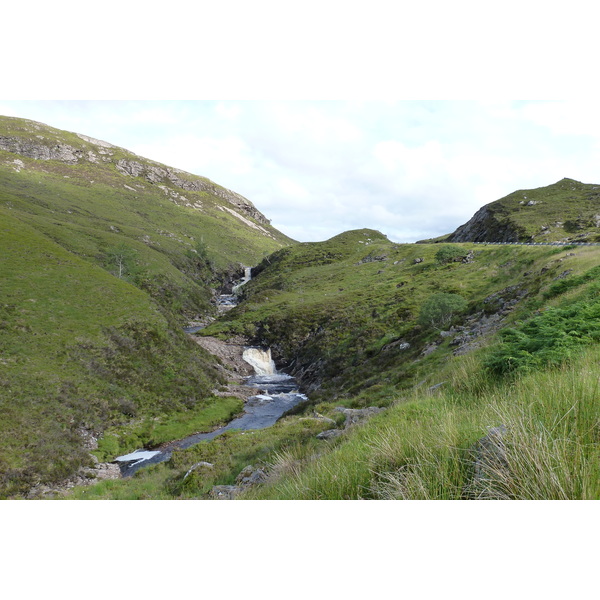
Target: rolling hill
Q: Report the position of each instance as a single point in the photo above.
(566, 211)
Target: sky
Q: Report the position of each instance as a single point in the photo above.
(408, 168)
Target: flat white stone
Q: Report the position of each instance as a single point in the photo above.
(138, 456)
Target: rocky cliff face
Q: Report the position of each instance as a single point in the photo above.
(39, 151)
(155, 173)
(487, 225)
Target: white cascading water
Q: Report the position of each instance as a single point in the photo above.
(260, 360)
(245, 280)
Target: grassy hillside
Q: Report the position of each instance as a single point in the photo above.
(99, 270)
(425, 445)
(343, 315)
(567, 211)
(94, 199)
(353, 319)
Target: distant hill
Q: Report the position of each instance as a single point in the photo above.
(566, 211)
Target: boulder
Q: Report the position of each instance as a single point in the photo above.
(329, 434)
(355, 415)
(250, 476)
(490, 464)
(225, 492)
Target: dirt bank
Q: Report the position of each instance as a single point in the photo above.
(233, 366)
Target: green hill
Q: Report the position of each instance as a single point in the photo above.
(105, 255)
(566, 211)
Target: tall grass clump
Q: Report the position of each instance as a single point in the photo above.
(532, 437)
(547, 448)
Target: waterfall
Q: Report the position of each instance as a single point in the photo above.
(260, 360)
(247, 277)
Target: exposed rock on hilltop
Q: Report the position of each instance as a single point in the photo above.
(490, 223)
(155, 173)
(566, 211)
(40, 142)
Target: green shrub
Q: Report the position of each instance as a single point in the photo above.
(448, 254)
(547, 339)
(439, 310)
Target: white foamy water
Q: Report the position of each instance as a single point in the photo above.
(245, 280)
(260, 360)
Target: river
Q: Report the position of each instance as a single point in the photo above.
(276, 394)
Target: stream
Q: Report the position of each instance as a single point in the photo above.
(276, 394)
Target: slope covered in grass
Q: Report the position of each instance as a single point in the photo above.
(104, 255)
(344, 315)
(438, 405)
(79, 349)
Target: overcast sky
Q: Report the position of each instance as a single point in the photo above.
(410, 169)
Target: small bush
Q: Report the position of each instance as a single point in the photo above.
(440, 309)
(448, 254)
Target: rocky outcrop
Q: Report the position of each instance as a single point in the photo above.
(159, 174)
(479, 326)
(38, 151)
(248, 477)
(487, 225)
(353, 417)
(232, 364)
(356, 415)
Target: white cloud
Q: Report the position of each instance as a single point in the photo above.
(292, 189)
(577, 117)
(215, 158)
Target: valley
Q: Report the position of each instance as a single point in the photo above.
(461, 367)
